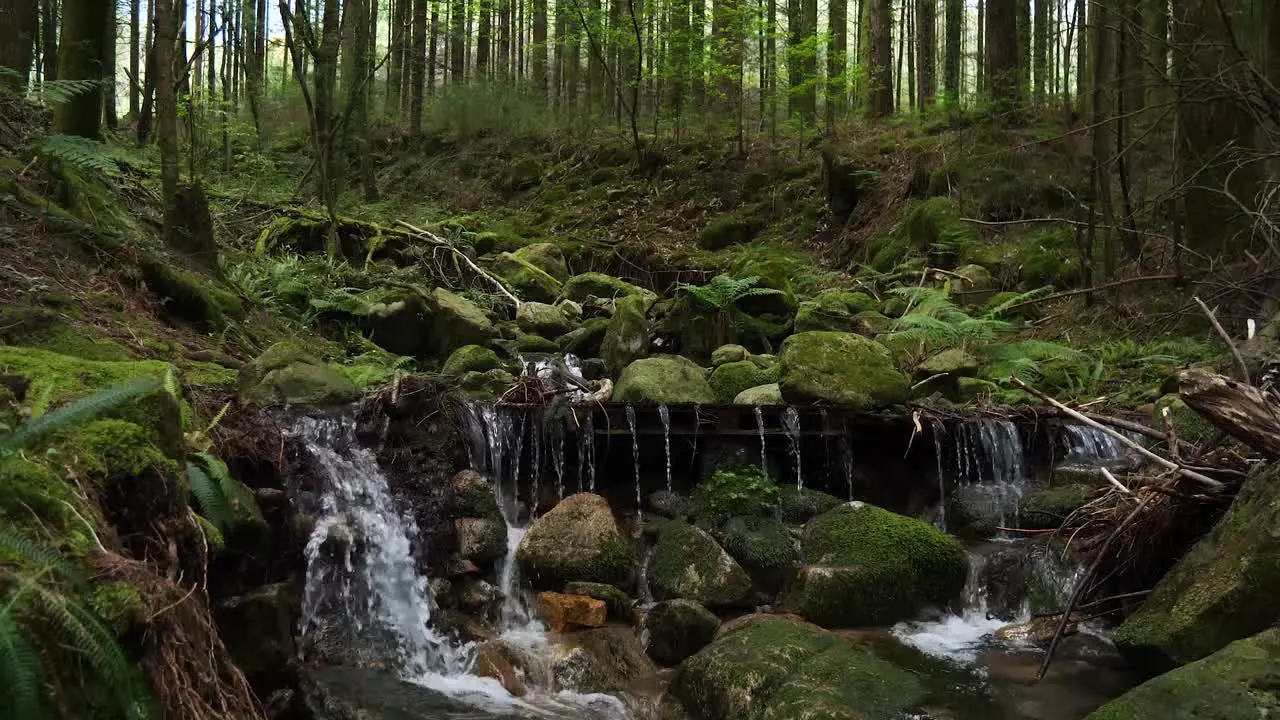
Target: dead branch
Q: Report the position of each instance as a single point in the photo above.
(1095, 288)
(1217, 326)
(1238, 409)
(1188, 473)
(441, 242)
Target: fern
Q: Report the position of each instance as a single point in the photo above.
(1000, 309)
(723, 293)
(57, 92)
(934, 321)
(21, 548)
(20, 671)
(78, 411)
(80, 153)
(209, 496)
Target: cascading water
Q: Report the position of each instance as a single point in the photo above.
(589, 439)
(665, 415)
(956, 637)
(557, 457)
(942, 478)
(1084, 443)
(635, 459)
(791, 423)
(764, 463)
(992, 468)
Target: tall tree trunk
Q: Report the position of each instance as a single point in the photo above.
(901, 55)
(19, 22)
(1156, 50)
(1040, 58)
(1102, 64)
(771, 59)
(211, 69)
(697, 53)
(727, 39)
(417, 61)
(1082, 52)
(484, 33)
(167, 115)
(1024, 47)
(252, 65)
(539, 47)
(458, 40)
(504, 40)
(558, 55)
(82, 55)
(49, 38)
(109, 111)
(954, 55)
(135, 57)
(926, 49)
(396, 62)
(1003, 69)
(980, 54)
(837, 60)
(802, 53)
(879, 72)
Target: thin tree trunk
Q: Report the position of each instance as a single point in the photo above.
(837, 58)
(167, 115)
(417, 60)
(980, 54)
(901, 56)
(539, 47)
(484, 32)
(82, 56)
(135, 57)
(1024, 47)
(926, 46)
(1156, 46)
(954, 57)
(879, 74)
(433, 47)
(1040, 58)
(49, 38)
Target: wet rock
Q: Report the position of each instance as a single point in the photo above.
(492, 662)
(527, 280)
(579, 287)
(771, 667)
(486, 385)
(1039, 631)
(603, 660)
(730, 379)
(727, 354)
(346, 692)
(596, 308)
(547, 258)
(687, 563)
(585, 341)
(677, 629)
(841, 368)
(538, 318)
(764, 548)
(617, 602)
(571, 612)
(475, 595)
(285, 374)
(577, 540)
(470, 358)
(1236, 682)
(627, 336)
(1046, 509)
(1223, 590)
(473, 495)
(972, 513)
(456, 321)
(667, 504)
(258, 628)
(770, 394)
(870, 566)
(798, 506)
(481, 540)
(663, 379)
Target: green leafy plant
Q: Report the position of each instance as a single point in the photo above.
(41, 616)
(80, 153)
(220, 497)
(728, 492)
(78, 411)
(723, 293)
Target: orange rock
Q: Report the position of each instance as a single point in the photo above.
(566, 612)
(492, 662)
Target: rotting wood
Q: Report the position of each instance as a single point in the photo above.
(1238, 409)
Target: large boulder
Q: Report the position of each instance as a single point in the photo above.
(1236, 682)
(579, 287)
(481, 540)
(456, 321)
(585, 341)
(547, 258)
(471, 358)
(627, 336)
(688, 563)
(840, 368)
(538, 318)
(813, 316)
(730, 379)
(663, 379)
(770, 394)
(1223, 590)
(763, 547)
(577, 540)
(677, 629)
(728, 354)
(527, 280)
(258, 628)
(800, 505)
(869, 566)
(771, 667)
(285, 374)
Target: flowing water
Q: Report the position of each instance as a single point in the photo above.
(665, 415)
(635, 459)
(791, 423)
(764, 463)
(992, 468)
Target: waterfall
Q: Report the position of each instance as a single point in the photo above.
(791, 422)
(635, 458)
(665, 415)
(958, 638)
(557, 457)
(589, 437)
(764, 463)
(992, 468)
(1085, 444)
(361, 577)
(942, 478)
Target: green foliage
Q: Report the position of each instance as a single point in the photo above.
(723, 293)
(221, 498)
(738, 491)
(78, 411)
(56, 92)
(936, 322)
(82, 154)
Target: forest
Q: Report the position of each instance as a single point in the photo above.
(639, 359)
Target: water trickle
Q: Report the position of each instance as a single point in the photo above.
(942, 478)
(961, 637)
(1085, 444)
(589, 437)
(635, 458)
(361, 575)
(557, 456)
(993, 469)
(764, 463)
(791, 423)
(665, 414)
(536, 439)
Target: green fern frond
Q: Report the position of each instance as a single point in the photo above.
(209, 497)
(78, 411)
(999, 310)
(56, 92)
(80, 153)
(723, 292)
(21, 674)
(23, 549)
(239, 501)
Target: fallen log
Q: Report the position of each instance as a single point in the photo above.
(1238, 409)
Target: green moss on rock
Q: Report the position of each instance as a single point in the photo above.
(677, 629)
(578, 540)
(119, 604)
(187, 296)
(486, 385)
(482, 540)
(770, 394)
(456, 321)
(1047, 508)
(841, 368)
(728, 354)
(527, 280)
(1190, 425)
(688, 563)
(618, 602)
(813, 316)
(627, 336)
(470, 358)
(663, 379)
(546, 257)
(1223, 589)
(763, 547)
(585, 341)
(542, 319)
(579, 287)
(730, 379)
(285, 374)
(800, 505)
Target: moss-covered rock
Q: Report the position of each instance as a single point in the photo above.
(585, 341)
(578, 540)
(527, 280)
(481, 540)
(800, 505)
(546, 257)
(667, 504)
(1236, 682)
(851, 301)
(763, 547)
(769, 667)
(729, 379)
(1190, 425)
(471, 358)
(285, 374)
(737, 486)
(688, 563)
(489, 384)
(728, 354)
(873, 567)
(936, 231)
(1047, 508)
(728, 229)
(841, 368)
(398, 320)
(187, 296)
(579, 287)
(813, 316)
(1220, 591)
(677, 629)
(770, 394)
(618, 602)
(663, 379)
(627, 336)
(870, 323)
(473, 496)
(538, 318)
(954, 362)
(456, 321)
(526, 343)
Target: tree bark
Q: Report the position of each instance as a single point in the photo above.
(1241, 410)
(1024, 47)
(49, 38)
(837, 60)
(880, 71)
(417, 61)
(458, 41)
(727, 39)
(1003, 69)
(1040, 58)
(82, 55)
(926, 48)
(954, 54)
(980, 54)
(19, 21)
(1156, 46)
(167, 115)
(539, 47)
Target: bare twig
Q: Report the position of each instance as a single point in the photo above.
(1112, 479)
(437, 240)
(1096, 288)
(1163, 462)
(1222, 333)
(1167, 415)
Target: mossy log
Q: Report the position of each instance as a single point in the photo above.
(1236, 408)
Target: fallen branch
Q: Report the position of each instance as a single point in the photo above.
(1222, 333)
(441, 242)
(1112, 479)
(1237, 409)
(1096, 288)
(1163, 462)
(1135, 427)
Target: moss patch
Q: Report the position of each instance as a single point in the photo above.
(840, 368)
(663, 379)
(729, 379)
(1044, 509)
(687, 563)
